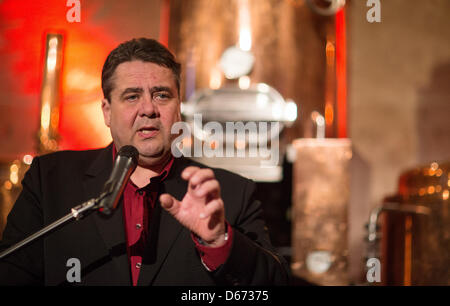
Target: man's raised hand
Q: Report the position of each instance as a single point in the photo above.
(201, 210)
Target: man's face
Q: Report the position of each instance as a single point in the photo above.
(144, 105)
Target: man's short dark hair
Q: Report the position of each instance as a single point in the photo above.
(143, 49)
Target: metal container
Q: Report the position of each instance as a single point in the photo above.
(414, 242)
(239, 130)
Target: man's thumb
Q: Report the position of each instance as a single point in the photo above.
(169, 203)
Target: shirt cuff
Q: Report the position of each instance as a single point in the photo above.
(212, 258)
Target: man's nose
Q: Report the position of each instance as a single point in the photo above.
(147, 107)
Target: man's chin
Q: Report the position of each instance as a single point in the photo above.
(153, 159)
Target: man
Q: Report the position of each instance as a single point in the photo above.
(210, 230)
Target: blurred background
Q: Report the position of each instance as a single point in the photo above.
(360, 90)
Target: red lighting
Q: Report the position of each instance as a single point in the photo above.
(341, 74)
(164, 23)
(23, 26)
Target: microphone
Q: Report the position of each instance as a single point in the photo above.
(126, 162)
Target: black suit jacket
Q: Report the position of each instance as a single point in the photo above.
(59, 181)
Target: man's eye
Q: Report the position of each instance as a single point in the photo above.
(131, 98)
(162, 96)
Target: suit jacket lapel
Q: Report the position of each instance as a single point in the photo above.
(164, 229)
(111, 228)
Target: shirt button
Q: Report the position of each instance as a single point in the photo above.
(140, 192)
(138, 226)
(138, 265)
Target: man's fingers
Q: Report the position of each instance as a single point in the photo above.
(211, 186)
(199, 177)
(188, 172)
(196, 175)
(211, 208)
(169, 203)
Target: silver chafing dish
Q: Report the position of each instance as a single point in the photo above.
(263, 114)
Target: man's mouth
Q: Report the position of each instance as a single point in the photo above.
(148, 131)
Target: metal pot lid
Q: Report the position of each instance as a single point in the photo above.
(259, 102)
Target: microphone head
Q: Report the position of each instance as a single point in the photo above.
(130, 152)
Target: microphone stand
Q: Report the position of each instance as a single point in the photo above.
(77, 213)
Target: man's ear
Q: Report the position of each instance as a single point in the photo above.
(106, 108)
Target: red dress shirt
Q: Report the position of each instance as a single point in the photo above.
(138, 204)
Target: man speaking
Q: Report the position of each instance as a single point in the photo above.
(178, 222)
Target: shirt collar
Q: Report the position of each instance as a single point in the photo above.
(161, 176)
